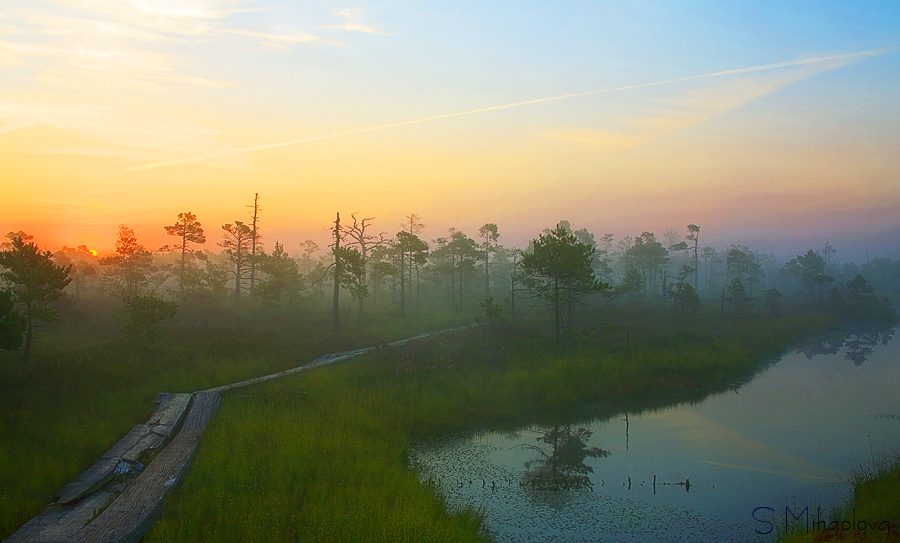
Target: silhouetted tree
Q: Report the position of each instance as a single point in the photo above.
(492, 313)
(883, 273)
(632, 282)
(419, 251)
(306, 261)
(650, 258)
(455, 255)
(146, 313)
(12, 324)
(82, 261)
(254, 241)
(827, 251)
(683, 295)
(489, 235)
(35, 280)
(773, 300)
(353, 273)
(410, 249)
(859, 303)
(514, 281)
(205, 290)
(236, 242)
(356, 234)
(694, 238)
(809, 269)
(338, 268)
(558, 270)
(710, 256)
(130, 266)
(737, 300)
(188, 230)
(382, 263)
(603, 262)
(284, 281)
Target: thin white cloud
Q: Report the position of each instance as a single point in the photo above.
(45, 23)
(830, 62)
(689, 107)
(200, 81)
(120, 131)
(116, 65)
(179, 19)
(353, 24)
(282, 38)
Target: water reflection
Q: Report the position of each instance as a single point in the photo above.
(860, 344)
(561, 465)
(687, 468)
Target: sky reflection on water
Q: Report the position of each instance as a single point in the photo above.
(789, 438)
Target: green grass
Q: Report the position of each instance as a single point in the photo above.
(322, 456)
(87, 385)
(875, 504)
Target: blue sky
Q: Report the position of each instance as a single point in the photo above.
(108, 107)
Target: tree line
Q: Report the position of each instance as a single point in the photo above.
(556, 271)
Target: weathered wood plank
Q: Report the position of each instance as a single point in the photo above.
(58, 524)
(151, 440)
(131, 515)
(103, 469)
(170, 409)
(169, 412)
(321, 361)
(165, 417)
(327, 359)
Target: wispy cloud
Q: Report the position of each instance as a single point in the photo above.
(111, 65)
(829, 62)
(280, 40)
(352, 22)
(688, 107)
(129, 30)
(113, 127)
(45, 23)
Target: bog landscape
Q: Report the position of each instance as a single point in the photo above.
(413, 272)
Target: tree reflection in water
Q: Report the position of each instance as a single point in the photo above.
(561, 463)
(860, 345)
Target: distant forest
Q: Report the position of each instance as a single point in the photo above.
(204, 272)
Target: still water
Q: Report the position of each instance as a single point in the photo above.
(788, 438)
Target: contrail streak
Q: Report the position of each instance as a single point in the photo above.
(347, 132)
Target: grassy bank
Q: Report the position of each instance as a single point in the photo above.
(322, 456)
(873, 514)
(87, 385)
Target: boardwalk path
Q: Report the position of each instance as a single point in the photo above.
(120, 496)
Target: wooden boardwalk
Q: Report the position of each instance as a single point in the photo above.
(118, 498)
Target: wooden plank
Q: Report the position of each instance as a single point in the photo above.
(131, 515)
(102, 470)
(165, 417)
(151, 440)
(169, 412)
(327, 359)
(170, 409)
(60, 524)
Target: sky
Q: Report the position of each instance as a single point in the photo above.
(770, 124)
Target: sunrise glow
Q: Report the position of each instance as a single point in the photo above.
(619, 117)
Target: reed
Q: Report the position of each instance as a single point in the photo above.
(322, 456)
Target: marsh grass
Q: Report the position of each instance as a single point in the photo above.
(323, 455)
(872, 515)
(87, 384)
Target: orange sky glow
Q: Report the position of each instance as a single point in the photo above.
(126, 112)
